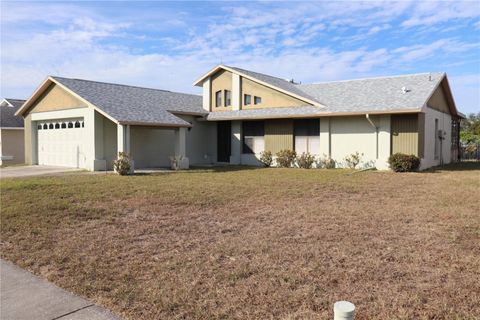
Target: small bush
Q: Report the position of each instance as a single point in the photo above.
(353, 160)
(286, 158)
(266, 158)
(400, 162)
(326, 162)
(122, 164)
(305, 160)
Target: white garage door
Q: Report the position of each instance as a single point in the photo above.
(60, 143)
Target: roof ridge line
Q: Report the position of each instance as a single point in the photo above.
(372, 78)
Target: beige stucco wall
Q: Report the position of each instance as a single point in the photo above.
(270, 98)
(220, 81)
(355, 134)
(201, 147)
(28, 141)
(12, 145)
(55, 98)
(445, 124)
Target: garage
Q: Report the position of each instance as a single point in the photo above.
(61, 142)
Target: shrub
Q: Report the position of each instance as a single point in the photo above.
(305, 160)
(326, 162)
(266, 158)
(353, 160)
(400, 162)
(286, 158)
(122, 164)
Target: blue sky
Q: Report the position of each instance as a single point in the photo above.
(168, 45)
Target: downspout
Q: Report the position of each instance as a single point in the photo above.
(367, 116)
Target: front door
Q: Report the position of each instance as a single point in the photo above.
(224, 132)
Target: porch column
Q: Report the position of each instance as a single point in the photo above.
(123, 141)
(123, 138)
(236, 143)
(181, 147)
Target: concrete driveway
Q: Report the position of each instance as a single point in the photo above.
(27, 171)
(27, 297)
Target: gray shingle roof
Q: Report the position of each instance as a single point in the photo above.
(8, 119)
(277, 82)
(266, 113)
(129, 104)
(375, 94)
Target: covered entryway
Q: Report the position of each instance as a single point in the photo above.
(61, 143)
(224, 132)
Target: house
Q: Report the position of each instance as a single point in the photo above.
(11, 132)
(81, 123)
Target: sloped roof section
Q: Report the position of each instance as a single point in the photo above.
(136, 105)
(278, 82)
(375, 94)
(8, 119)
(267, 113)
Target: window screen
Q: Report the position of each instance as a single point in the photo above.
(307, 136)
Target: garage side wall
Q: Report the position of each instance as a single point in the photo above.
(12, 141)
(201, 141)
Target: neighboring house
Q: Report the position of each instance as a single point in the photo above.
(84, 124)
(11, 132)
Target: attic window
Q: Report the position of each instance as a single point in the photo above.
(247, 99)
(218, 99)
(228, 98)
(257, 100)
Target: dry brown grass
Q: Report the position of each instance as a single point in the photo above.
(251, 244)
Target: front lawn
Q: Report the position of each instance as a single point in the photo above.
(254, 243)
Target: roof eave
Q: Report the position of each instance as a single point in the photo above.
(155, 124)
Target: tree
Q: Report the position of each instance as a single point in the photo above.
(470, 129)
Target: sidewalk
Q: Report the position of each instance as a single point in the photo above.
(24, 296)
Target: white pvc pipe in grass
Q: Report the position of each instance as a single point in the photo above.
(343, 310)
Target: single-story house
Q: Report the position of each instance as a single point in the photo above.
(11, 132)
(81, 123)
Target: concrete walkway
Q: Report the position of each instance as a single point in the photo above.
(27, 171)
(24, 296)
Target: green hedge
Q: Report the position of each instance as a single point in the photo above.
(400, 162)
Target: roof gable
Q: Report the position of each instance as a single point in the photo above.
(128, 104)
(278, 84)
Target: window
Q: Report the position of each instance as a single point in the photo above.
(218, 99)
(435, 135)
(247, 99)
(64, 125)
(39, 127)
(257, 100)
(83, 125)
(50, 126)
(307, 136)
(45, 127)
(70, 125)
(57, 125)
(253, 136)
(77, 124)
(228, 98)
